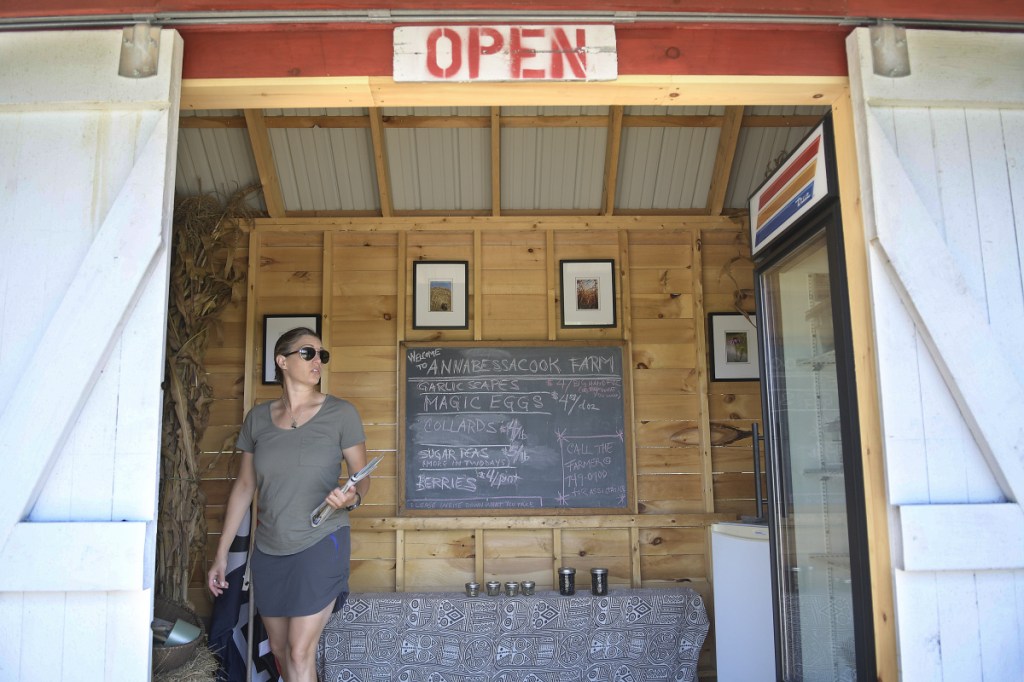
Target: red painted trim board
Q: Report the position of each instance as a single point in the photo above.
(319, 51)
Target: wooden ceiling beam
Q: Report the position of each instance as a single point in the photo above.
(611, 160)
(378, 91)
(508, 121)
(486, 222)
(727, 141)
(380, 162)
(781, 120)
(259, 139)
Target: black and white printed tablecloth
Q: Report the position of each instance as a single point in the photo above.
(637, 635)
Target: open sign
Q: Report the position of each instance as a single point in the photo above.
(504, 53)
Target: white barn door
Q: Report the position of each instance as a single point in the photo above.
(941, 157)
(86, 190)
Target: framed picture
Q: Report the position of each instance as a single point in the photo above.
(588, 293)
(273, 327)
(440, 296)
(732, 339)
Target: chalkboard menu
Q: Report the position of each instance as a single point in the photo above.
(507, 429)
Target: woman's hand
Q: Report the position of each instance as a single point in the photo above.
(215, 578)
(339, 500)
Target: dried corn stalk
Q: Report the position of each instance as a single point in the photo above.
(205, 277)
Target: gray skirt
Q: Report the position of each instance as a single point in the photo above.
(303, 583)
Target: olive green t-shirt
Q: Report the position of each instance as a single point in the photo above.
(295, 470)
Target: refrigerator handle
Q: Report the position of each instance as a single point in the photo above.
(759, 495)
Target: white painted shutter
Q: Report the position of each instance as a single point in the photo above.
(86, 195)
(941, 157)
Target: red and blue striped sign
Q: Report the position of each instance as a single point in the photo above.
(790, 192)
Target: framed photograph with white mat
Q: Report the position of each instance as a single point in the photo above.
(440, 294)
(732, 341)
(588, 293)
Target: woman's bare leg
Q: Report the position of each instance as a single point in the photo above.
(303, 637)
(277, 630)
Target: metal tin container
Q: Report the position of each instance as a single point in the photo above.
(493, 588)
(472, 589)
(566, 580)
(599, 581)
(527, 587)
(511, 588)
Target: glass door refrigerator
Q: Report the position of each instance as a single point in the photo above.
(821, 592)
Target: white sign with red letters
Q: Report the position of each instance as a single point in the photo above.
(505, 53)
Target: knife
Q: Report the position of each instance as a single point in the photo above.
(324, 511)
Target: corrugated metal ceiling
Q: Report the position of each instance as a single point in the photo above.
(439, 160)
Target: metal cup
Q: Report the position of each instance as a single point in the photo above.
(472, 589)
(527, 587)
(493, 588)
(566, 581)
(599, 581)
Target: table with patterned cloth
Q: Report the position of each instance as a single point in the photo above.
(629, 636)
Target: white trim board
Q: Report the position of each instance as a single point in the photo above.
(962, 537)
(72, 557)
(950, 69)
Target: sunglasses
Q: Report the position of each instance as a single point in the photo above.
(307, 353)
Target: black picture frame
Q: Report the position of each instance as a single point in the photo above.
(588, 293)
(440, 294)
(732, 347)
(276, 325)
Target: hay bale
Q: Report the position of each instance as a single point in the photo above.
(202, 667)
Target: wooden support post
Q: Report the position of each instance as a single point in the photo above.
(868, 410)
(400, 560)
(478, 559)
(703, 385)
(327, 285)
(553, 282)
(495, 161)
(402, 289)
(251, 331)
(636, 579)
(478, 279)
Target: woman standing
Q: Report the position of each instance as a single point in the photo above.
(291, 454)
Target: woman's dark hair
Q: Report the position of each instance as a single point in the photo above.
(284, 343)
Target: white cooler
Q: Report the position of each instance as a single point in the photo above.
(744, 633)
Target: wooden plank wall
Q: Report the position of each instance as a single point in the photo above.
(693, 461)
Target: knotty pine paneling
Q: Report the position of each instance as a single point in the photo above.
(684, 460)
(728, 280)
(504, 544)
(662, 330)
(363, 327)
(503, 569)
(661, 280)
(438, 560)
(518, 282)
